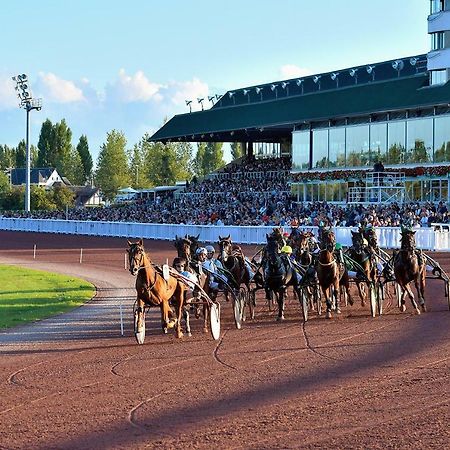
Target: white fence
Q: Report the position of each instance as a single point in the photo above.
(437, 238)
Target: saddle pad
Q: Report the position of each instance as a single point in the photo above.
(166, 272)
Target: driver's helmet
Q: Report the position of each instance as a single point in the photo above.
(210, 249)
(287, 249)
(201, 251)
(338, 246)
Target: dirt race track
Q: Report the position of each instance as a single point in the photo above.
(353, 382)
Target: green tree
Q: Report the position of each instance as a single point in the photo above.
(199, 165)
(7, 157)
(237, 150)
(161, 164)
(63, 145)
(4, 183)
(21, 155)
(13, 200)
(75, 170)
(86, 157)
(41, 199)
(213, 158)
(136, 158)
(184, 151)
(46, 147)
(63, 197)
(112, 168)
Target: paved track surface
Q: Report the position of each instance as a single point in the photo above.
(73, 382)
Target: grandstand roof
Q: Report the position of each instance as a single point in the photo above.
(245, 115)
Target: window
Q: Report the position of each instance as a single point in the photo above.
(396, 142)
(378, 140)
(438, 77)
(320, 149)
(357, 146)
(337, 147)
(300, 150)
(438, 5)
(437, 40)
(442, 139)
(419, 148)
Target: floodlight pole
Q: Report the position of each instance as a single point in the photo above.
(28, 103)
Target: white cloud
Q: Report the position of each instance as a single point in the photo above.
(180, 91)
(293, 71)
(58, 90)
(8, 97)
(135, 88)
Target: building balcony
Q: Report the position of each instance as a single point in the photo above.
(438, 59)
(439, 22)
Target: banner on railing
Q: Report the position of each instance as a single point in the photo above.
(436, 238)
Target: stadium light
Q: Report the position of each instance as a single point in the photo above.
(335, 77)
(231, 94)
(200, 100)
(211, 98)
(371, 71)
(274, 87)
(299, 83)
(246, 93)
(259, 90)
(354, 73)
(285, 86)
(28, 103)
(316, 80)
(189, 103)
(398, 66)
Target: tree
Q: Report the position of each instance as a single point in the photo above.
(46, 150)
(183, 151)
(7, 157)
(236, 150)
(41, 199)
(14, 199)
(136, 159)
(4, 183)
(62, 197)
(213, 158)
(63, 146)
(199, 159)
(86, 158)
(21, 155)
(75, 170)
(112, 169)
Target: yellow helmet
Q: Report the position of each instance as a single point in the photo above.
(286, 249)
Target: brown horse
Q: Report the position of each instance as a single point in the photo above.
(154, 290)
(330, 273)
(365, 267)
(409, 265)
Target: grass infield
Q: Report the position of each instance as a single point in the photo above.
(27, 295)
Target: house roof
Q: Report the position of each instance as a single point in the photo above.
(37, 175)
(273, 119)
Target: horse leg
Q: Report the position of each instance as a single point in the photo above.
(326, 292)
(179, 304)
(205, 318)
(362, 293)
(420, 286)
(141, 315)
(413, 300)
(335, 292)
(280, 301)
(187, 322)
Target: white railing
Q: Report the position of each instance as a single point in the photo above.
(436, 238)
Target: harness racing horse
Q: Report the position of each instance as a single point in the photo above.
(184, 248)
(233, 261)
(330, 273)
(153, 289)
(365, 267)
(409, 265)
(278, 275)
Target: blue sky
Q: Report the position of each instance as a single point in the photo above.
(106, 65)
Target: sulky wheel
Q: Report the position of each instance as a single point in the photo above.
(139, 324)
(238, 310)
(304, 301)
(214, 314)
(373, 300)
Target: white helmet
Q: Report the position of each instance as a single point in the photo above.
(210, 249)
(201, 250)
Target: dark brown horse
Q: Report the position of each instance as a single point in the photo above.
(153, 289)
(409, 265)
(365, 268)
(331, 273)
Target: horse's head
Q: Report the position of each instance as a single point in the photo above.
(136, 256)
(408, 240)
(371, 236)
(225, 247)
(327, 240)
(183, 246)
(194, 240)
(358, 242)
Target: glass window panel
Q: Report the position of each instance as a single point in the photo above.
(320, 148)
(322, 192)
(378, 140)
(396, 142)
(309, 193)
(420, 141)
(444, 190)
(337, 147)
(357, 146)
(442, 138)
(300, 150)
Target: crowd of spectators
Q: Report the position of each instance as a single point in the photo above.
(254, 201)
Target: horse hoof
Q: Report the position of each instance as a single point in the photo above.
(350, 301)
(205, 330)
(424, 308)
(417, 311)
(179, 335)
(189, 334)
(363, 304)
(328, 315)
(338, 310)
(165, 330)
(403, 308)
(171, 324)
(280, 318)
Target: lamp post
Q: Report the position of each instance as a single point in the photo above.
(28, 103)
